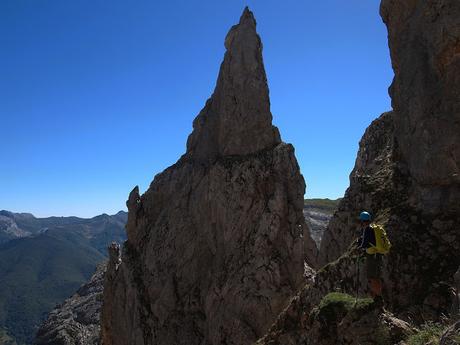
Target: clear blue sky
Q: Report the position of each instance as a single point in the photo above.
(99, 96)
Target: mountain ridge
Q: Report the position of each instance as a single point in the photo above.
(49, 264)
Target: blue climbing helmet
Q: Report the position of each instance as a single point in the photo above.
(365, 216)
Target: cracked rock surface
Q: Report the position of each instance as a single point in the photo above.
(218, 243)
(406, 175)
(406, 172)
(76, 321)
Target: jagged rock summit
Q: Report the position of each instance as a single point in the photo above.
(218, 243)
(236, 119)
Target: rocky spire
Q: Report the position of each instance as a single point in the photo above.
(215, 250)
(236, 119)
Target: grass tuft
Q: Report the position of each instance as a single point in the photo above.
(428, 334)
(336, 305)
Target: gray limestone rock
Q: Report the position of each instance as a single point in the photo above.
(76, 321)
(337, 319)
(236, 119)
(424, 40)
(372, 188)
(407, 165)
(218, 243)
(406, 175)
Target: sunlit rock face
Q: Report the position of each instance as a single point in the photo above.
(218, 243)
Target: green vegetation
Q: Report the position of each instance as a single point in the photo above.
(43, 261)
(428, 334)
(42, 270)
(345, 301)
(335, 305)
(324, 204)
(36, 273)
(99, 231)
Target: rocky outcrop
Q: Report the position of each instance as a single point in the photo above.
(193, 272)
(424, 40)
(9, 227)
(406, 175)
(218, 243)
(236, 120)
(421, 142)
(375, 185)
(76, 321)
(337, 319)
(10, 230)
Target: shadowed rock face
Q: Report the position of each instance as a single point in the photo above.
(424, 39)
(336, 319)
(406, 173)
(218, 243)
(373, 187)
(236, 119)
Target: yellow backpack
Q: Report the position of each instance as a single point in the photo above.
(382, 243)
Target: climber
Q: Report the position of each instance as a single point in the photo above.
(373, 261)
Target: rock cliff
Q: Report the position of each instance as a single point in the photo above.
(406, 175)
(375, 185)
(424, 40)
(76, 321)
(218, 243)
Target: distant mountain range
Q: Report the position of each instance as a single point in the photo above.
(19, 225)
(45, 260)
